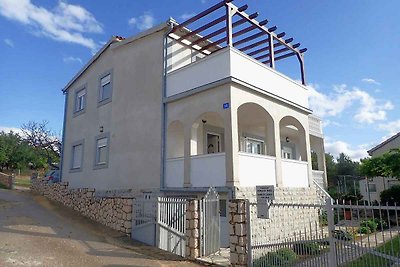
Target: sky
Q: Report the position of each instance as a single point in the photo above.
(352, 63)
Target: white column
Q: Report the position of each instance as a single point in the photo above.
(278, 160)
(231, 147)
(187, 134)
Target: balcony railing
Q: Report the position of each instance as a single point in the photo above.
(294, 173)
(256, 170)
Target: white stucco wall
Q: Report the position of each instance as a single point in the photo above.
(132, 118)
(256, 170)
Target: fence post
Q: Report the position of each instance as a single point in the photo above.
(192, 229)
(331, 227)
(239, 245)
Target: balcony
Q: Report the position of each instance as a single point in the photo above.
(230, 63)
(256, 170)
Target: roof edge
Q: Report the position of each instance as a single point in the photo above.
(383, 143)
(117, 41)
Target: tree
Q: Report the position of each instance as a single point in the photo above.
(391, 195)
(331, 168)
(43, 140)
(345, 166)
(386, 165)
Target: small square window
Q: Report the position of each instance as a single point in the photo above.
(80, 100)
(372, 188)
(105, 88)
(102, 146)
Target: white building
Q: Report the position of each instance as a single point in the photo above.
(176, 111)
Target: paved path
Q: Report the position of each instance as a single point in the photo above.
(37, 232)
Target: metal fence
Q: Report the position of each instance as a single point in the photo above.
(210, 223)
(330, 234)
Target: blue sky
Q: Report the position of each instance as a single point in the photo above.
(352, 62)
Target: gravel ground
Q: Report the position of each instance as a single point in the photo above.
(37, 232)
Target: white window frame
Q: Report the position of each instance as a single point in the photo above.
(97, 164)
(73, 146)
(252, 141)
(78, 111)
(101, 99)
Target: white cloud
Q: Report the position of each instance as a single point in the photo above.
(9, 42)
(391, 127)
(71, 59)
(337, 147)
(7, 129)
(65, 23)
(370, 81)
(143, 22)
(342, 98)
(186, 16)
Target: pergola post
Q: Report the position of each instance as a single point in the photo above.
(229, 15)
(300, 56)
(271, 52)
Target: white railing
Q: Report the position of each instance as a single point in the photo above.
(318, 176)
(231, 63)
(256, 170)
(174, 176)
(315, 125)
(294, 173)
(208, 170)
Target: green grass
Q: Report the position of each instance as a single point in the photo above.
(22, 182)
(372, 260)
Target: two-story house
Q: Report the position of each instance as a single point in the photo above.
(182, 107)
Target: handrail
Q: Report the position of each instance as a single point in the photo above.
(321, 192)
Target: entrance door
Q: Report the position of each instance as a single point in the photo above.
(224, 223)
(213, 143)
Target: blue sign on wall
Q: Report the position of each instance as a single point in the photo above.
(225, 105)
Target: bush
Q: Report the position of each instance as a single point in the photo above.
(364, 230)
(307, 248)
(381, 224)
(282, 257)
(391, 195)
(371, 224)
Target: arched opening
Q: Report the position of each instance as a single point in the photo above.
(256, 130)
(175, 140)
(293, 139)
(208, 134)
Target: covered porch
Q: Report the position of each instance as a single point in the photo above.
(246, 145)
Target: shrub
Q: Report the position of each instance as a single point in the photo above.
(282, 257)
(364, 230)
(391, 195)
(371, 224)
(307, 248)
(381, 224)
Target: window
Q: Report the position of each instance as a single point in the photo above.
(288, 152)
(372, 188)
(77, 156)
(254, 146)
(80, 100)
(105, 92)
(213, 143)
(101, 157)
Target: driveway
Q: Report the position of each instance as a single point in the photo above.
(37, 232)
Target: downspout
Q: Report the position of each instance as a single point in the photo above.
(171, 22)
(63, 134)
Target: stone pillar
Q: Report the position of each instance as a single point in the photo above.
(193, 229)
(238, 232)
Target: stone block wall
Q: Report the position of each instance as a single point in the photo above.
(238, 232)
(114, 212)
(6, 180)
(285, 220)
(193, 229)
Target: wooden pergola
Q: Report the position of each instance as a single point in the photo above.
(224, 25)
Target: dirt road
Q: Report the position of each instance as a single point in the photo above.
(36, 232)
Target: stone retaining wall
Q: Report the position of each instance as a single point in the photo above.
(238, 232)
(6, 180)
(284, 221)
(114, 212)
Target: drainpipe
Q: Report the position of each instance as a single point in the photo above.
(63, 134)
(171, 22)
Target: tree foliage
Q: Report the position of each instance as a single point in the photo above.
(386, 165)
(391, 195)
(35, 148)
